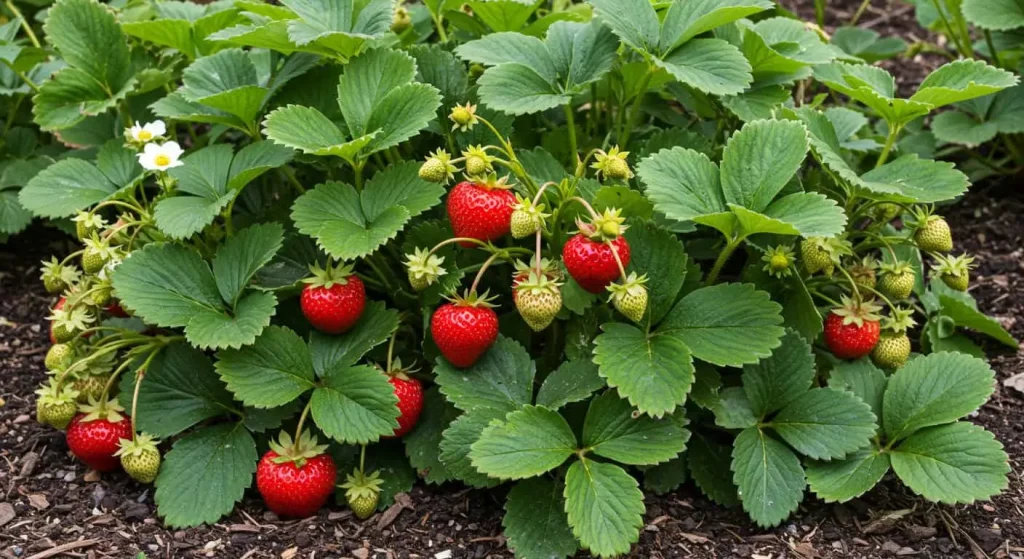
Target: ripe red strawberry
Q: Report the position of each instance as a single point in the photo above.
(410, 401)
(296, 479)
(94, 436)
(591, 262)
(464, 329)
(481, 210)
(852, 330)
(114, 309)
(333, 299)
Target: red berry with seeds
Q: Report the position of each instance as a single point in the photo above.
(464, 329)
(481, 211)
(295, 480)
(333, 299)
(591, 262)
(410, 402)
(94, 436)
(852, 330)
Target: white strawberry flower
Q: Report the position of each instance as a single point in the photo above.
(143, 133)
(161, 157)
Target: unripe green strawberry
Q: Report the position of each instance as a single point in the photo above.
(613, 165)
(54, 284)
(934, 235)
(63, 333)
(476, 165)
(522, 224)
(959, 283)
(362, 493)
(90, 386)
(433, 170)
(92, 260)
(618, 169)
(816, 256)
(140, 458)
(630, 297)
(897, 280)
(538, 300)
(418, 283)
(778, 261)
(401, 21)
(363, 506)
(59, 357)
(892, 350)
(887, 212)
(56, 407)
(864, 272)
(101, 296)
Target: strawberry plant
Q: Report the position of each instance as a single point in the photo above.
(584, 249)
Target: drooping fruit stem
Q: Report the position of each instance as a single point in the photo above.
(480, 273)
(446, 242)
(853, 284)
(585, 204)
(723, 257)
(139, 375)
(298, 428)
(618, 260)
(537, 259)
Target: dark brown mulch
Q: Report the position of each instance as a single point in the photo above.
(889, 18)
(55, 501)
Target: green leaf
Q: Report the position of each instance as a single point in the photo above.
(572, 381)
(799, 311)
(441, 69)
(226, 81)
(967, 316)
(220, 329)
(826, 424)
(422, 444)
(809, 213)
(334, 351)
(457, 441)
(682, 183)
(183, 216)
(65, 187)
(529, 442)
(611, 431)
(863, 379)
(962, 80)
(873, 87)
(934, 389)
(173, 33)
(958, 127)
(350, 225)
(501, 380)
(13, 217)
(732, 409)
(308, 130)
(377, 98)
(839, 481)
(605, 507)
(710, 65)
(634, 21)
(355, 405)
(774, 382)
(166, 285)
(917, 180)
(997, 15)
(205, 474)
(583, 52)
(242, 255)
(518, 89)
(727, 324)
(709, 463)
(953, 464)
(758, 103)
(685, 20)
(781, 49)
(180, 389)
(667, 476)
(760, 159)
(511, 48)
(273, 371)
(706, 384)
(654, 371)
(535, 521)
(867, 44)
(769, 476)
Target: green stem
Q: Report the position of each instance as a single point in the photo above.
(21, 75)
(24, 24)
(289, 173)
(439, 24)
(992, 48)
(860, 11)
(634, 115)
(890, 141)
(570, 122)
(952, 32)
(298, 428)
(723, 257)
(819, 12)
(357, 168)
(480, 274)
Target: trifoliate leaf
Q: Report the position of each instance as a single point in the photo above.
(344, 350)
(842, 480)
(709, 461)
(774, 382)
(826, 424)
(732, 409)
(572, 381)
(501, 380)
(273, 371)
(682, 183)
(458, 439)
(760, 159)
(962, 80)
(710, 65)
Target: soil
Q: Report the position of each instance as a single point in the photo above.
(51, 506)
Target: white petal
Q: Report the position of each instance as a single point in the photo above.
(172, 149)
(147, 160)
(156, 128)
(151, 150)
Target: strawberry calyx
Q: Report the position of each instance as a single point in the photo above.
(104, 408)
(400, 372)
(53, 395)
(857, 313)
(523, 269)
(359, 485)
(954, 266)
(607, 226)
(899, 321)
(633, 285)
(297, 452)
(538, 283)
(464, 117)
(470, 298)
(491, 181)
(328, 277)
(897, 268)
(778, 260)
(142, 443)
(613, 164)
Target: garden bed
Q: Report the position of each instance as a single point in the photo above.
(56, 502)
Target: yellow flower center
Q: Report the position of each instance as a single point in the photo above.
(145, 135)
(162, 160)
